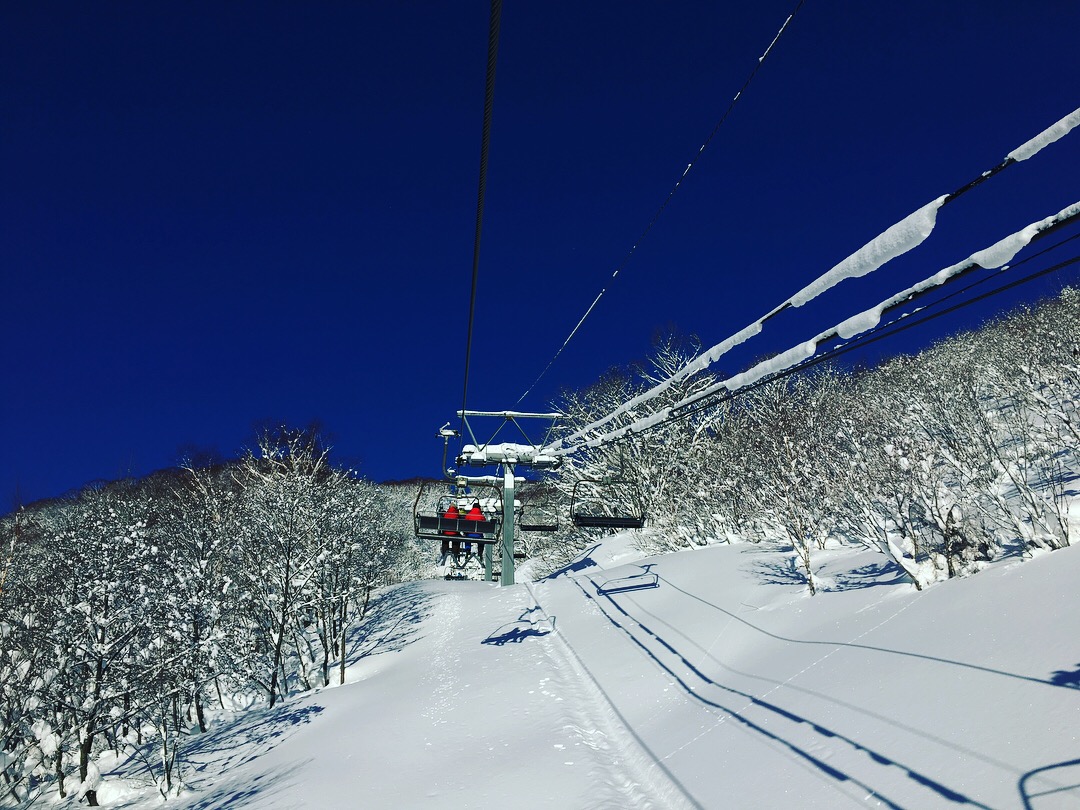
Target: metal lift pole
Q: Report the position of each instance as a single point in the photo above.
(507, 575)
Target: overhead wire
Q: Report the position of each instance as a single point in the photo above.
(901, 326)
(664, 204)
(886, 330)
(892, 242)
(485, 144)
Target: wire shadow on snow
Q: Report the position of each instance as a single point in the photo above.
(390, 623)
(828, 698)
(1066, 780)
(855, 646)
(525, 627)
(580, 563)
(687, 669)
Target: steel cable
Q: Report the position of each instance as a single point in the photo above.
(667, 199)
(485, 143)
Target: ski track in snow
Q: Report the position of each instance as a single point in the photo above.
(724, 704)
(857, 755)
(444, 693)
(626, 775)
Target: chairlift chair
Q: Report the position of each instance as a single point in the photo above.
(435, 525)
(537, 517)
(536, 520)
(608, 503)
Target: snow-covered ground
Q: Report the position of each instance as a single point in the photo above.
(705, 678)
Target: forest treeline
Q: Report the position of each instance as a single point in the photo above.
(131, 609)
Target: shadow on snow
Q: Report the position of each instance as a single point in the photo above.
(686, 669)
(390, 622)
(532, 623)
(1065, 780)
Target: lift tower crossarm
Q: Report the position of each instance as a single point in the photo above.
(510, 415)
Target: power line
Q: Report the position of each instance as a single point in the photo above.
(485, 143)
(663, 205)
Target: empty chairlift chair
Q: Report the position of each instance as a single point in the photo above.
(610, 503)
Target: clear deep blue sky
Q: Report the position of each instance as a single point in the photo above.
(213, 215)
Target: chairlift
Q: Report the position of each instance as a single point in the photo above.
(534, 519)
(449, 517)
(538, 512)
(607, 503)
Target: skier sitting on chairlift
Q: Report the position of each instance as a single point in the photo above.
(474, 514)
(451, 513)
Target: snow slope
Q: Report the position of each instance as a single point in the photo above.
(706, 678)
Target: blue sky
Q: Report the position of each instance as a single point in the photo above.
(216, 215)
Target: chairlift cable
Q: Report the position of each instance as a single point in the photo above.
(871, 336)
(878, 249)
(485, 143)
(1048, 226)
(865, 339)
(664, 204)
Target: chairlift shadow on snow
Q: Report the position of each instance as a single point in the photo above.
(525, 627)
(646, 580)
(580, 563)
(1039, 790)
(1069, 678)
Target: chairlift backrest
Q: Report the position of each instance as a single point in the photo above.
(450, 516)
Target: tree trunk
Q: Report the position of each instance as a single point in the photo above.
(280, 640)
(58, 769)
(199, 716)
(85, 748)
(166, 763)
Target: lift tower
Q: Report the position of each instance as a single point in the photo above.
(506, 456)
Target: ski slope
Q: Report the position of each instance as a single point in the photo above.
(704, 678)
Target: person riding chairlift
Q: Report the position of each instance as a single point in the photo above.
(451, 513)
(474, 514)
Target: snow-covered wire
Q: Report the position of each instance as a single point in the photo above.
(896, 240)
(664, 204)
(797, 357)
(901, 324)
